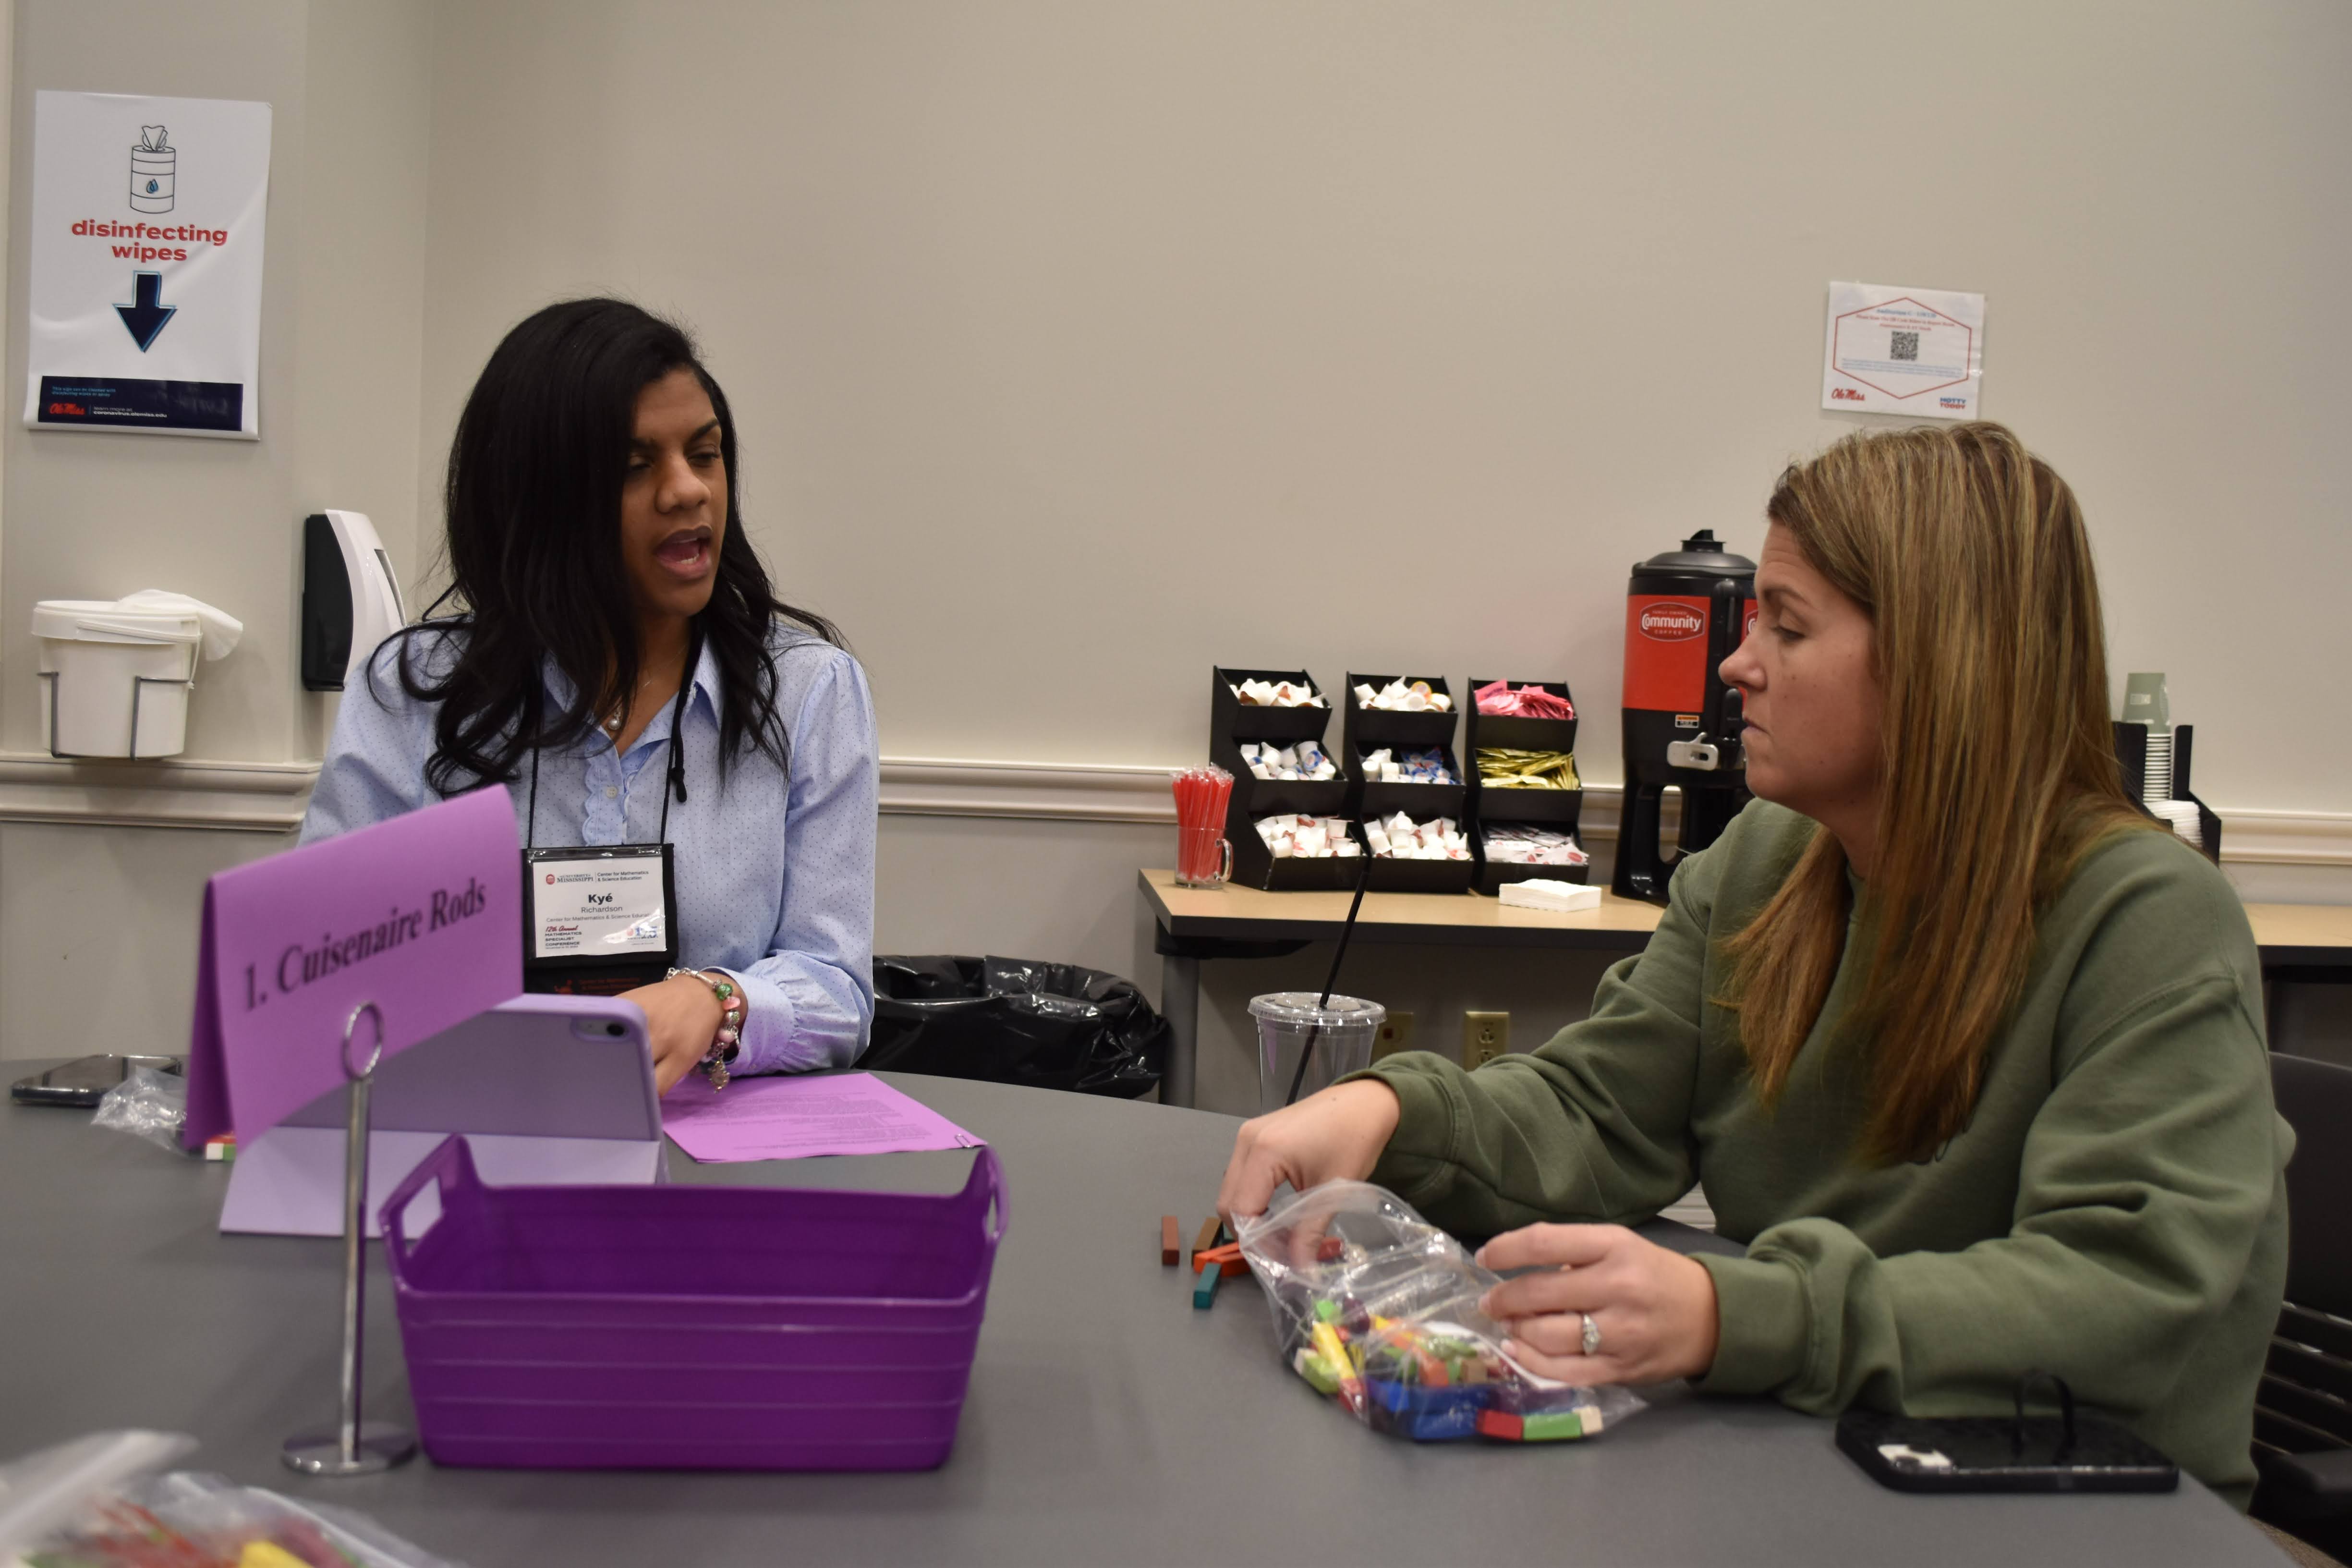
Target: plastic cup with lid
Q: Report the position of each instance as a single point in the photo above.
(1340, 1030)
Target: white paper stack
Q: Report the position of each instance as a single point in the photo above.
(1542, 893)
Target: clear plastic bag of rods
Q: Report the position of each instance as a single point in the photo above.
(93, 1503)
(1379, 1309)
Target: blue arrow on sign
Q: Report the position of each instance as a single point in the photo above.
(146, 318)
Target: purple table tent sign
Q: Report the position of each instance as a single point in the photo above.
(390, 935)
(421, 915)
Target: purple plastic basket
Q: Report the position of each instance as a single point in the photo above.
(689, 1327)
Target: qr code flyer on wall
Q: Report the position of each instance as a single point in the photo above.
(1915, 352)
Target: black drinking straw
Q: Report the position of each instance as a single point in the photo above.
(1306, 1051)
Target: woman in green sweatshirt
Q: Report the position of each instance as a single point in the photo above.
(1967, 1056)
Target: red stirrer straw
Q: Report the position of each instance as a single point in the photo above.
(1201, 793)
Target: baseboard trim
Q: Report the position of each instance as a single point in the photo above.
(1052, 791)
(269, 797)
(2286, 837)
(247, 797)
(1085, 792)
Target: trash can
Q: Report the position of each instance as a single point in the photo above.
(116, 673)
(1015, 1020)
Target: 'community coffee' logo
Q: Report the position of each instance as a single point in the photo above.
(1670, 622)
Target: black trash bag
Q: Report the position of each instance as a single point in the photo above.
(1014, 1020)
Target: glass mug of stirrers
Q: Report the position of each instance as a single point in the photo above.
(1203, 858)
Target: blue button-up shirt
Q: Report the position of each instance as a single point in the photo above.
(775, 873)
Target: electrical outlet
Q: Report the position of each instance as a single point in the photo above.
(1396, 1035)
(1485, 1037)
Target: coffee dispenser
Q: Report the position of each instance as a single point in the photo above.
(1685, 610)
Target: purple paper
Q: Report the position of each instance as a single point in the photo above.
(793, 1117)
(421, 915)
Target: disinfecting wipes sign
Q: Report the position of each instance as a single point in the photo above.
(148, 215)
(1918, 351)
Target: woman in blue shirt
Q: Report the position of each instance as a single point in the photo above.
(607, 591)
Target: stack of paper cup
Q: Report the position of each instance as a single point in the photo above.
(2181, 814)
(2156, 783)
(2147, 704)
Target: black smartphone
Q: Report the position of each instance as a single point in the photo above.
(84, 1082)
(1999, 1454)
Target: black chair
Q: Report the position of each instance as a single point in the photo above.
(2303, 1411)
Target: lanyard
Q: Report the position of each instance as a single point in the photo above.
(675, 780)
(602, 919)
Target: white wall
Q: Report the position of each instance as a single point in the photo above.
(98, 924)
(1078, 346)
(98, 514)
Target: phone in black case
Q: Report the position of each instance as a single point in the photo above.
(85, 1080)
(2004, 1454)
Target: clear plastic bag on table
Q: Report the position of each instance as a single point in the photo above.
(39, 1489)
(190, 1520)
(1379, 1309)
(146, 1104)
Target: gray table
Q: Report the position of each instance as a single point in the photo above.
(1108, 1421)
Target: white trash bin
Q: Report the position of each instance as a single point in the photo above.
(116, 673)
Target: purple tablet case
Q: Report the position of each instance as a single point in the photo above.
(688, 1327)
(552, 1088)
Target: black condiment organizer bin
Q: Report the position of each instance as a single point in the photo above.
(2131, 756)
(1390, 875)
(1419, 801)
(1556, 808)
(1367, 728)
(1231, 723)
(1231, 718)
(1493, 874)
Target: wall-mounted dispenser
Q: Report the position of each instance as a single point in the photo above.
(351, 599)
(117, 672)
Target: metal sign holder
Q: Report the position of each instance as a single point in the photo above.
(353, 1447)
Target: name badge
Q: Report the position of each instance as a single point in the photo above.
(600, 905)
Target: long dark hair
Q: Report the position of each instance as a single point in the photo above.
(533, 499)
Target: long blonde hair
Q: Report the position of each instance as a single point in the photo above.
(1998, 766)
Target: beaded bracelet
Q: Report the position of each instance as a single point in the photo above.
(727, 1043)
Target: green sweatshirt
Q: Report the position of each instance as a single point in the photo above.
(2116, 1210)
